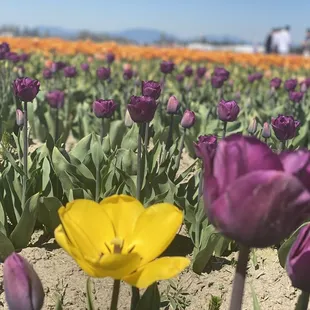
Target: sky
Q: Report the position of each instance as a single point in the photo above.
(246, 19)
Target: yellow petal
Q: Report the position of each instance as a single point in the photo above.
(123, 212)
(62, 239)
(87, 226)
(115, 266)
(160, 269)
(155, 229)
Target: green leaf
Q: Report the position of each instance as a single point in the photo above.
(150, 300)
(89, 299)
(6, 247)
(286, 246)
(96, 151)
(256, 305)
(10, 158)
(117, 128)
(81, 149)
(130, 140)
(22, 232)
(48, 212)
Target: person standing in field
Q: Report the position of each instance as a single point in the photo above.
(283, 41)
(307, 43)
(268, 43)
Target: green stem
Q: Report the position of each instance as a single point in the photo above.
(180, 150)
(224, 129)
(200, 184)
(239, 279)
(114, 300)
(303, 301)
(98, 168)
(102, 130)
(139, 163)
(135, 297)
(169, 139)
(283, 146)
(146, 136)
(56, 124)
(25, 155)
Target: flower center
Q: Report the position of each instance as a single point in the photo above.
(118, 245)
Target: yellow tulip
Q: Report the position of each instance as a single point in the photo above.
(119, 238)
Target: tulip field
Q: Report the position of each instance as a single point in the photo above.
(150, 172)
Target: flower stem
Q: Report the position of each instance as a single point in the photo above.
(283, 145)
(224, 129)
(56, 124)
(98, 168)
(238, 285)
(169, 139)
(177, 165)
(25, 155)
(102, 130)
(135, 297)
(146, 136)
(303, 300)
(200, 184)
(114, 300)
(139, 162)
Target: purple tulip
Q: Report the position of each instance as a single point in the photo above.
(24, 57)
(217, 81)
(4, 48)
(284, 127)
(142, 109)
(188, 71)
(275, 83)
(166, 67)
(58, 66)
(22, 286)
(180, 78)
(266, 132)
(13, 57)
(201, 71)
(85, 67)
(296, 96)
(188, 119)
(290, 85)
(70, 72)
(47, 74)
(26, 89)
(257, 76)
(19, 118)
(55, 99)
(151, 89)
(227, 111)
(127, 74)
(222, 72)
(206, 146)
(104, 108)
(103, 73)
(110, 57)
(173, 105)
(248, 196)
(297, 264)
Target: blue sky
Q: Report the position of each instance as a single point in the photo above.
(247, 19)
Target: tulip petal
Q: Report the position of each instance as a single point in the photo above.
(261, 208)
(113, 265)
(154, 231)
(237, 155)
(123, 212)
(160, 269)
(87, 226)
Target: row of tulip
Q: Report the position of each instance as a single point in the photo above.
(253, 190)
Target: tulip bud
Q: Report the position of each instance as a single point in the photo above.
(228, 110)
(266, 133)
(275, 83)
(47, 74)
(188, 71)
(110, 57)
(284, 127)
(103, 73)
(173, 105)
(127, 74)
(55, 99)
(26, 88)
(104, 108)
(188, 119)
(128, 120)
(222, 72)
(217, 81)
(22, 286)
(142, 109)
(296, 96)
(180, 78)
(19, 117)
(205, 146)
(201, 71)
(252, 126)
(70, 72)
(297, 264)
(151, 89)
(290, 85)
(166, 67)
(85, 67)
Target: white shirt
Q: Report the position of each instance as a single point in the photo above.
(282, 40)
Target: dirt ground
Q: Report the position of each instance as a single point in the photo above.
(60, 275)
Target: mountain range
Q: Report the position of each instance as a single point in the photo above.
(139, 35)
